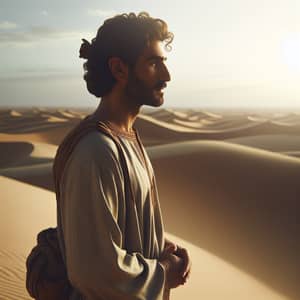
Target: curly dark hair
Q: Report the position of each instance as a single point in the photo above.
(123, 36)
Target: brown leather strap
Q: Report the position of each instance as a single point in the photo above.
(68, 145)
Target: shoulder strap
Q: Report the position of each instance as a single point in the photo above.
(71, 140)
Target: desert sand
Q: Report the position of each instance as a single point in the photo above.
(229, 190)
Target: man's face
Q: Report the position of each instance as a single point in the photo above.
(148, 77)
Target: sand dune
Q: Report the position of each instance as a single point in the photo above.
(284, 118)
(11, 152)
(276, 143)
(291, 153)
(47, 135)
(25, 122)
(164, 126)
(190, 114)
(30, 125)
(15, 154)
(194, 114)
(156, 132)
(213, 278)
(238, 203)
(234, 203)
(38, 175)
(25, 210)
(209, 271)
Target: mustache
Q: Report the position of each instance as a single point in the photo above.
(160, 85)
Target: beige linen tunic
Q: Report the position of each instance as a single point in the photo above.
(110, 247)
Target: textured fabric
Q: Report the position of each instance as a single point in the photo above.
(110, 246)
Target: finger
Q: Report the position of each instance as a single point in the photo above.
(170, 244)
(167, 251)
(188, 271)
(170, 249)
(183, 253)
(187, 276)
(183, 281)
(188, 265)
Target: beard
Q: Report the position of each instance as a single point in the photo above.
(140, 93)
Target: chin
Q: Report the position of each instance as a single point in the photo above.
(154, 101)
(158, 102)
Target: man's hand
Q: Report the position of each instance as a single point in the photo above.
(176, 255)
(182, 253)
(187, 264)
(173, 266)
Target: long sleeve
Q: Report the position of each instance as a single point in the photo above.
(91, 203)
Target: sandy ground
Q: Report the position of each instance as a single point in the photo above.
(228, 184)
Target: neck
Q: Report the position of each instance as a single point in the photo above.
(117, 110)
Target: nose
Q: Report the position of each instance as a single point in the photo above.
(165, 74)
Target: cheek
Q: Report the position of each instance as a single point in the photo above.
(148, 72)
(147, 77)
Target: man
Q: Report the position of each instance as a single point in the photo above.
(113, 247)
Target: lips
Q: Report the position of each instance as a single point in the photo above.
(158, 92)
(161, 86)
(160, 89)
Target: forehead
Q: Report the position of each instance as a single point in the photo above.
(152, 50)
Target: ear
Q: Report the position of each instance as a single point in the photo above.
(118, 69)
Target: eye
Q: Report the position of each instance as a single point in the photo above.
(153, 63)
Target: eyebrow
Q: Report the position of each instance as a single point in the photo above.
(157, 57)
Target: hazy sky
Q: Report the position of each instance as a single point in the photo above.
(225, 52)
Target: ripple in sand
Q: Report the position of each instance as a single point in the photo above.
(12, 276)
